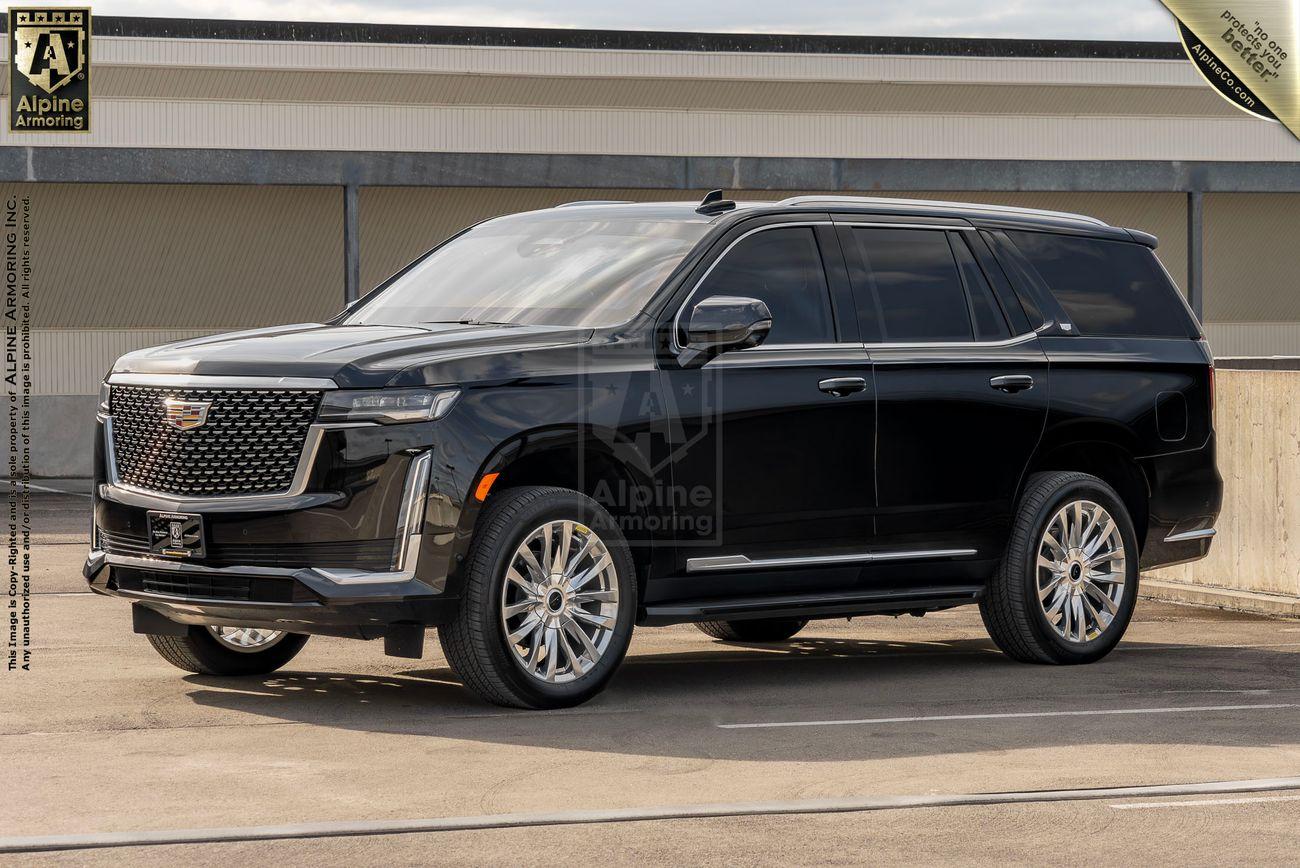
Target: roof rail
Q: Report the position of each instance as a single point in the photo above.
(595, 202)
(956, 206)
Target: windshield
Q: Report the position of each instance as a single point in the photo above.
(540, 268)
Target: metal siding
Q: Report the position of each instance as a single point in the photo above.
(837, 97)
(1252, 258)
(470, 60)
(74, 361)
(302, 126)
(1237, 339)
(184, 256)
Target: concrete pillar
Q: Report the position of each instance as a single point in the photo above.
(1195, 252)
(351, 243)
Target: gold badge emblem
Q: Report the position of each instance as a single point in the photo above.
(49, 76)
(185, 415)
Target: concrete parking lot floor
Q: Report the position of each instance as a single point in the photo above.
(104, 736)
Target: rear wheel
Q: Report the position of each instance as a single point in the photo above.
(757, 630)
(229, 650)
(1067, 585)
(550, 595)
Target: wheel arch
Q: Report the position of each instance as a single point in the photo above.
(1099, 452)
(603, 464)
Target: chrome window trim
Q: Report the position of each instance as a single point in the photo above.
(932, 226)
(743, 562)
(193, 381)
(676, 324)
(1005, 342)
(677, 319)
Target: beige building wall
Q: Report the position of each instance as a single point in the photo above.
(122, 256)
(1252, 273)
(316, 96)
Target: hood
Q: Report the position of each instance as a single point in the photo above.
(353, 356)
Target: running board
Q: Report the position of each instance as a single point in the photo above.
(811, 606)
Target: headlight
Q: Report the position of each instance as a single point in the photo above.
(103, 398)
(387, 406)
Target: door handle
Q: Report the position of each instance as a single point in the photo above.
(841, 386)
(1012, 383)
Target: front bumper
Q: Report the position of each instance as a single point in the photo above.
(308, 600)
(366, 542)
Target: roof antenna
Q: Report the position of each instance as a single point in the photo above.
(714, 203)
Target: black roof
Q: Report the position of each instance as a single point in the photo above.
(631, 40)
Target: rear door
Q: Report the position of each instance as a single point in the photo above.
(961, 387)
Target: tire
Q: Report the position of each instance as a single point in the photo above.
(758, 630)
(515, 673)
(201, 652)
(1016, 620)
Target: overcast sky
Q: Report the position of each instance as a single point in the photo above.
(1064, 19)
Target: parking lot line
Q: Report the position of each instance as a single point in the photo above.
(1203, 803)
(1091, 712)
(353, 828)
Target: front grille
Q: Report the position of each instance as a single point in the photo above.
(250, 444)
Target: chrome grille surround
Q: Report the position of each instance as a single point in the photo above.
(251, 442)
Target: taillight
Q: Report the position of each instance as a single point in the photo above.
(1211, 394)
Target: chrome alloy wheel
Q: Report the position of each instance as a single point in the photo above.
(1080, 571)
(559, 602)
(246, 640)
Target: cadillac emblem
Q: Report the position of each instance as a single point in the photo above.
(185, 415)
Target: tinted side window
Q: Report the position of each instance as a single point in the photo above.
(1111, 288)
(783, 268)
(914, 284)
(990, 324)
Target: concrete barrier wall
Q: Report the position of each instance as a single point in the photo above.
(1254, 563)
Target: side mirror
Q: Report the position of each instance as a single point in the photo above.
(725, 322)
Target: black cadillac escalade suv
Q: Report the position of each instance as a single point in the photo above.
(560, 424)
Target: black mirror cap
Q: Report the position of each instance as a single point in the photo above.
(726, 322)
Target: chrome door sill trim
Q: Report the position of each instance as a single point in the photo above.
(1190, 535)
(741, 562)
(197, 381)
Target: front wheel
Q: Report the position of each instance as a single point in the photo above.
(1067, 585)
(549, 599)
(229, 650)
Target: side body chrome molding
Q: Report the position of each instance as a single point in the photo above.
(1186, 535)
(741, 562)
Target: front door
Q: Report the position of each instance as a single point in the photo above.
(961, 390)
(773, 462)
